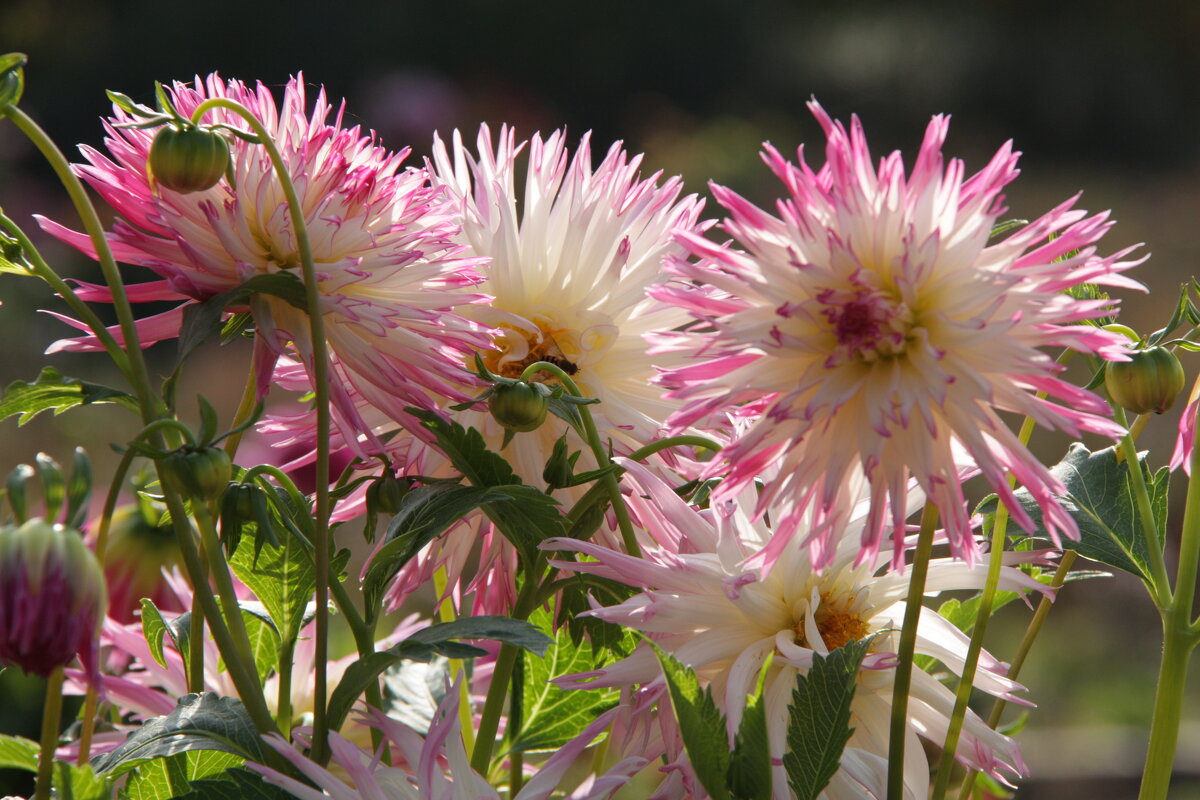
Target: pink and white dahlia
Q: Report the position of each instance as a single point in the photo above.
(568, 269)
(388, 273)
(874, 325)
(700, 602)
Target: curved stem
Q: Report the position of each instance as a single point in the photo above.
(628, 537)
(43, 270)
(139, 376)
(51, 720)
(320, 379)
(908, 646)
(175, 425)
(686, 440)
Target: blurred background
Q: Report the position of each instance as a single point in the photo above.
(1100, 97)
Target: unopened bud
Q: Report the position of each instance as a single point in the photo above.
(52, 598)
(188, 160)
(202, 472)
(519, 406)
(1149, 381)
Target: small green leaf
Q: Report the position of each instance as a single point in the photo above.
(18, 753)
(701, 724)
(165, 778)
(819, 719)
(52, 391)
(198, 722)
(154, 628)
(72, 782)
(281, 577)
(750, 763)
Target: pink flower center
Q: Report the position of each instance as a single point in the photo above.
(867, 324)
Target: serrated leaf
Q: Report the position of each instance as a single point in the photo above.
(18, 753)
(52, 391)
(424, 644)
(198, 722)
(236, 784)
(701, 725)
(819, 719)
(1100, 499)
(554, 716)
(165, 778)
(264, 643)
(750, 761)
(72, 782)
(281, 577)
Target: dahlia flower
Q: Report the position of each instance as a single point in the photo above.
(387, 272)
(700, 602)
(437, 767)
(873, 324)
(568, 269)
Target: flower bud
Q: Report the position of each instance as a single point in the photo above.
(1150, 381)
(188, 160)
(202, 472)
(519, 406)
(386, 493)
(52, 598)
(134, 558)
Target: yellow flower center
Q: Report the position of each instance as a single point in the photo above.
(518, 349)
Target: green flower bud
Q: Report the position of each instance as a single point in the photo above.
(385, 494)
(202, 472)
(519, 406)
(1150, 381)
(188, 160)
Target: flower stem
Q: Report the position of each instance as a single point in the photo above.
(602, 459)
(51, 720)
(320, 381)
(908, 646)
(283, 705)
(648, 450)
(1160, 587)
(195, 670)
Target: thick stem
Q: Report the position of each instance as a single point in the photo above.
(908, 646)
(609, 481)
(320, 379)
(51, 720)
(195, 670)
(283, 705)
(1160, 583)
(1178, 643)
(219, 570)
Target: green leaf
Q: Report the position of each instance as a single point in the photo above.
(202, 320)
(264, 643)
(701, 724)
(750, 763)
(198, 722)
(819, 719)
(12, 256)
(164, 778)
(1101, 501)
(527, 523)
(52, 391)
(423, 645)
(72, 782)
(236, 784)
(282, 578)
(18, 753)
(154, 628)
(554, 716)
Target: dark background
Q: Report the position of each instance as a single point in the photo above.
(1101, 97)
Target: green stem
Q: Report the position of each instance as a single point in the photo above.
(195, 669)
(602, 459)
(219, 570)
(1178, 643)
(283, 706)
(320, 379)
(908, 646)
(489, 721)
(645, 451)
(51, 720)
(43, 270)
(516, 759)
(159, 425)
(139, 376)
(1160, 587)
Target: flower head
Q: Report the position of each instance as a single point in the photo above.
(701, 603)
(877, 326)
(380, 237)
(52, 598)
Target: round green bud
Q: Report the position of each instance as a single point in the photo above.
(188, 160)
(519, 406)
(202, 472)
(1150, 381)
